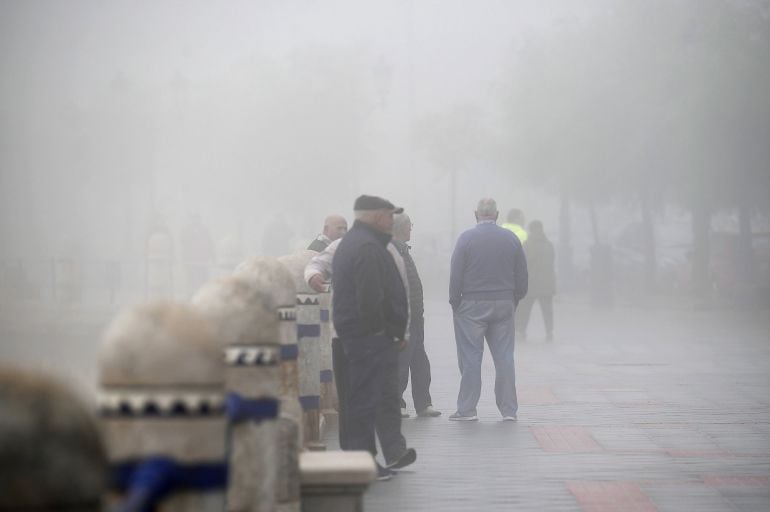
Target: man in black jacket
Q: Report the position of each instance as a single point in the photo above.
(370, 316)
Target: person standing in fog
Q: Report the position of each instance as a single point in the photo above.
(515, 224)
(370, 316)
(542, 280)
(488, 278)
(413, 358)
(317, 272)
(335, 227)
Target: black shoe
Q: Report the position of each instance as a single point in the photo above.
(406, 458)
(384, 474)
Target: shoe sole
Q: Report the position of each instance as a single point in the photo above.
(510, 418)
(407, 458)
(464, 418)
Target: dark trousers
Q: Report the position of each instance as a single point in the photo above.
(366, 372)
(413, 359)
(524, 310)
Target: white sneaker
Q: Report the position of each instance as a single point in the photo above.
(429, 412)
(459, 417)
(404, 414)
(510, 418)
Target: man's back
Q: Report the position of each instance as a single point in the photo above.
(488, 263)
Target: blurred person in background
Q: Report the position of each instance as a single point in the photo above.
(413, 359)
(515, 224)
(335, 227)
(542, 280)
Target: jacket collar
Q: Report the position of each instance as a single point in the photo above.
(381, 237)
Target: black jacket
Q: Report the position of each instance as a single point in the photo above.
(369, 296)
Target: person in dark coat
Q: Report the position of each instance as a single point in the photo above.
(370, 317)
(542, 279)
(413, 358)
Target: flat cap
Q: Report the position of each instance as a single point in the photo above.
(365, 202)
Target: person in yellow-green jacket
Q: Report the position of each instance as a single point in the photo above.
(515, 224)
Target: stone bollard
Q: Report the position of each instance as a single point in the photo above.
(162, 408)
(244, 324)
(308, 339)
(51, 454)
(335, 481)
(267, 274)
(328, 390)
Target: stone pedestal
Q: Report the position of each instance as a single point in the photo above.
(244, 323)
(269, 274)
(162, 409)
(335, 481)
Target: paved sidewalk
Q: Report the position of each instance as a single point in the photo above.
(629, 410)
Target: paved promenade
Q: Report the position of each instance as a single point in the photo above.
(628, 410)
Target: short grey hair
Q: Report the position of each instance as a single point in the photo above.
(487, 207)
(400, 220)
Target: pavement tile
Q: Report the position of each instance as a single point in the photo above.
(610, 496)
(563, 438)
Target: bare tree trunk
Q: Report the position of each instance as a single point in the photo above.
(453, 202)
(745, 247)
(594, 222)
(566, 268)
(650, 260)
(701, 229)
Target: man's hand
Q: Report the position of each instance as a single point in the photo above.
(402, 344)
(317, 283)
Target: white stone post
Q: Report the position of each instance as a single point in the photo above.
(270, 275)
(162, 408)
(335, 481)
(328, 390)
(308, 339)
(242, 321)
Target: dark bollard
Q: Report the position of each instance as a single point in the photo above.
(51, 454)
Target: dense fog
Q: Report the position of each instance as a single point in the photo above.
(636, 131)
(148, 147)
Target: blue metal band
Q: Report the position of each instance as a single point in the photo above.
(148, 481)
(327, 375)
(310, 402)
(289, 352)
(241, 409)
(308, 330)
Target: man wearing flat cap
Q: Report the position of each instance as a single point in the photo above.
(370, 316)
